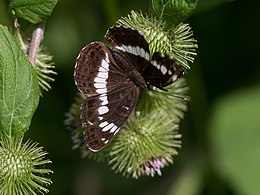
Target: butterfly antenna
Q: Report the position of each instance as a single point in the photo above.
(164, 91)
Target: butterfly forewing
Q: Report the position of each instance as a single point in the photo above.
(132, 43)
(111, 95)
(92, 68)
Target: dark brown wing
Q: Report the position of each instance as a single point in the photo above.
(132, 43)
(102, 122)
(111, 95)
(159, 71)
(92, 69)
(162, 71)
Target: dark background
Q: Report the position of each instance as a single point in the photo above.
(221, 131)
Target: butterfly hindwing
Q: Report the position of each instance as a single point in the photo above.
(104, 122)
(162, 71)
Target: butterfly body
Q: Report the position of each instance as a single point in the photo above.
(112, 78)
(127, 65)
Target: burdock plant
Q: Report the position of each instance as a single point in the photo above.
(25, 71)
(21, 168)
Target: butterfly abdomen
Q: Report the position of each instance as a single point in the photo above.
(138, 79)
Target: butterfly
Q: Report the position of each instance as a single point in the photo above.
(112, 77)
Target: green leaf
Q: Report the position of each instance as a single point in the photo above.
(234, 138)
(19, 90)
(35, 11)
(173, 11)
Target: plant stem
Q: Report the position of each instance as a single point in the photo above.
(37, 37)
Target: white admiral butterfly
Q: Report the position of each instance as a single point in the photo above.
(112, 78)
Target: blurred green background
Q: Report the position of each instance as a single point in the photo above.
(221, 131)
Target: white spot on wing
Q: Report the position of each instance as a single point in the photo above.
(102, 75)
(107, 59)
(106, 128)
(99, 80)
(102, 90)
(134, 50)
(120, 48)
(147, 56)
(105, 64)
(101, 69)
(100, 85)
(138, 50)
(105, 102)
(130, 49)
(125, 48)
(103, 110)
(126, 107)
(174, 77)
(154, 63)
(163, 69)
(84, 124)
(103, 124)
(142, 53)
(90, 123)
(116, 131)
(103, 99)
(113, 129)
